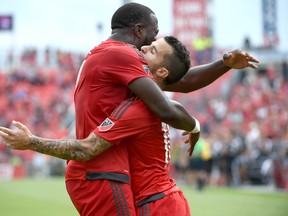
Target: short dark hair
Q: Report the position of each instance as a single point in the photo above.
(178, 63)
(129, 14)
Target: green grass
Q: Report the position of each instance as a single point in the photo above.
(236, 202)
(35, 198)
(32, 197)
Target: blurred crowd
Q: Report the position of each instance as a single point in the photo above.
(37, 90)
(244, 140)
(244, 119)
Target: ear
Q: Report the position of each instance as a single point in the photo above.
(138, 29)
(162, 72)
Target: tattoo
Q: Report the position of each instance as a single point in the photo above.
(99, 145)
(79, 150)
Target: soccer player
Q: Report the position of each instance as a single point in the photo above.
(158, 55)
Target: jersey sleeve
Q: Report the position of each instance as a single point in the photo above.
(126, 123)
(125, 65)
(117, 131)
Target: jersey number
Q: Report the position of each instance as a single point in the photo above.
(165, 129)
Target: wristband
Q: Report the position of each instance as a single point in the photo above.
(197, 127)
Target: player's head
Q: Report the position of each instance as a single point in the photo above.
(135, 23)
(168, 59)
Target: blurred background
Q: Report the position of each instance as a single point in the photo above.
(244, 114)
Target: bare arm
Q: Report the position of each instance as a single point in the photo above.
(203, 75)
(171, 113)
(80, 150)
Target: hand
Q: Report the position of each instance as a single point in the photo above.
(192, 140)
(16, 139)
(238, 59)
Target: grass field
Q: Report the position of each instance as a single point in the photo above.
(49, 198)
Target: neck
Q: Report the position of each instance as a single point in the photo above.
(160, 83)
(121, 35)
(162, 86)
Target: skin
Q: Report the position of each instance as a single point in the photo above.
(85, 149)
(154, 55)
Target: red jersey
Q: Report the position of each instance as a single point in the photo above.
(102, 84)
(147, 140)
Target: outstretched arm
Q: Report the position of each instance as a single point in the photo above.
(203, 75)
(80, 150)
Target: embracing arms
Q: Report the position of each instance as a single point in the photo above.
(68, 149)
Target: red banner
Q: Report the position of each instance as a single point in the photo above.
(190, 20)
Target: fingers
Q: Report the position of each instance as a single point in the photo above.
(186, 141)
(9, 134)
(191, 140)
(6, 139)
(184, 133)
(3, 135)
(190, 150)
(253, 66)
(19, 125)
(6, 131)
(251, 58)
(6, 134)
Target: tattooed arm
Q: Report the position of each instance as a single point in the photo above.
(80, 150)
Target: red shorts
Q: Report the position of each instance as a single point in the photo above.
(173, 204)
(101, 197)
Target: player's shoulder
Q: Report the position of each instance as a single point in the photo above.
(121, 47)
(118, 51)
(128, 49)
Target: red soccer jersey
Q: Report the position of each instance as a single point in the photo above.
(147, 140)
(102, 84)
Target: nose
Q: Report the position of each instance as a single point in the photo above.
(144, 49)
